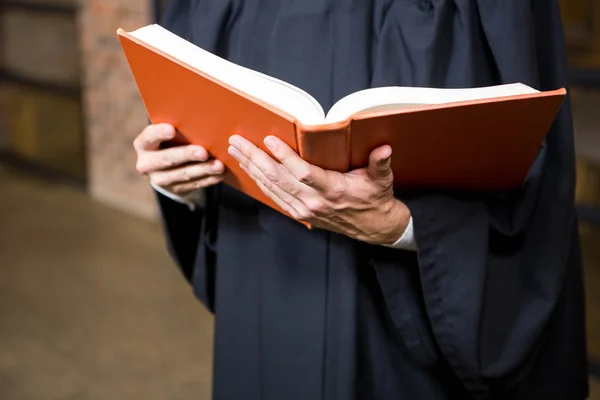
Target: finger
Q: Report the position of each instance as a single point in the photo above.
(152, 136)
(266, 167)
(283, 204)
(182, 189)
(277, 200)
(380, 163)
(187, 173)
(303, 171)
(152, 161)
(275, 192)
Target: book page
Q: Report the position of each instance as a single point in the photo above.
(275, 92)
(385, 98)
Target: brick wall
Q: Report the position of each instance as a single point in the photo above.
(114, 111)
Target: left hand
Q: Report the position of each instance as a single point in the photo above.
(359, 204)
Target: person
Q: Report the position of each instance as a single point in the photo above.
(424, 295)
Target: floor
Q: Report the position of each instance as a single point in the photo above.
(91, 307)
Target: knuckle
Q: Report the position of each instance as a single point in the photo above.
(142, 139)
(251, 155)
(148, 128)
(315, 206)
(306, 177)
(245, 165)
(271, 175)
(255, 157)
(168, 161)
(141, 167)
(336, 192)
(187, 174)
(265, 184)
(304, 214)
(289, 187)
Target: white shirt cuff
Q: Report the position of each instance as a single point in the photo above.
(407, 241)
(192, 200)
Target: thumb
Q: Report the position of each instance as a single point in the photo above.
(380, 163)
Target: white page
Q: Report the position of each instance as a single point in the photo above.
(297, 102)
(403, 97)
(273, 91)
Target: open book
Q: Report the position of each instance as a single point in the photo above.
(296, 101)
(457, 139)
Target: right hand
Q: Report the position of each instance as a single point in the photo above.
(180, 170)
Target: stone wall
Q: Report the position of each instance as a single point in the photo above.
(114, 112)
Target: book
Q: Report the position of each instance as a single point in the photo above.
(473, 139)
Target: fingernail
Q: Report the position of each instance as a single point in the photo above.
(234, 142)
(169, 131)
(270, 143)
(218, 166)
(234, 152)
(387, 154)
(201, 155)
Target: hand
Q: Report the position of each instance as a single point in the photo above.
(359, 204)
(180, 170)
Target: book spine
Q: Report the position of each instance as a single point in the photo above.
(326, 146)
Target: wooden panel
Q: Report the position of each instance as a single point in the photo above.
(40, 46)
(577, 21)
(44, 128)
(581, 19)
(588, 183)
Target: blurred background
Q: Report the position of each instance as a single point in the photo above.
(91, 306)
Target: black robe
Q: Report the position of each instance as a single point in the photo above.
(490, 307)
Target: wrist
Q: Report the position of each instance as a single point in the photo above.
(193, 200)
(395, 221)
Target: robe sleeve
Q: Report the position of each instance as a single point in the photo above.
(182, 227)
(490, 269)
(189, 231)
(190, 237)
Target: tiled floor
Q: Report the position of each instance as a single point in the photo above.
(91, 307)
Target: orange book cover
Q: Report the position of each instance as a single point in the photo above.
(476, 145)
